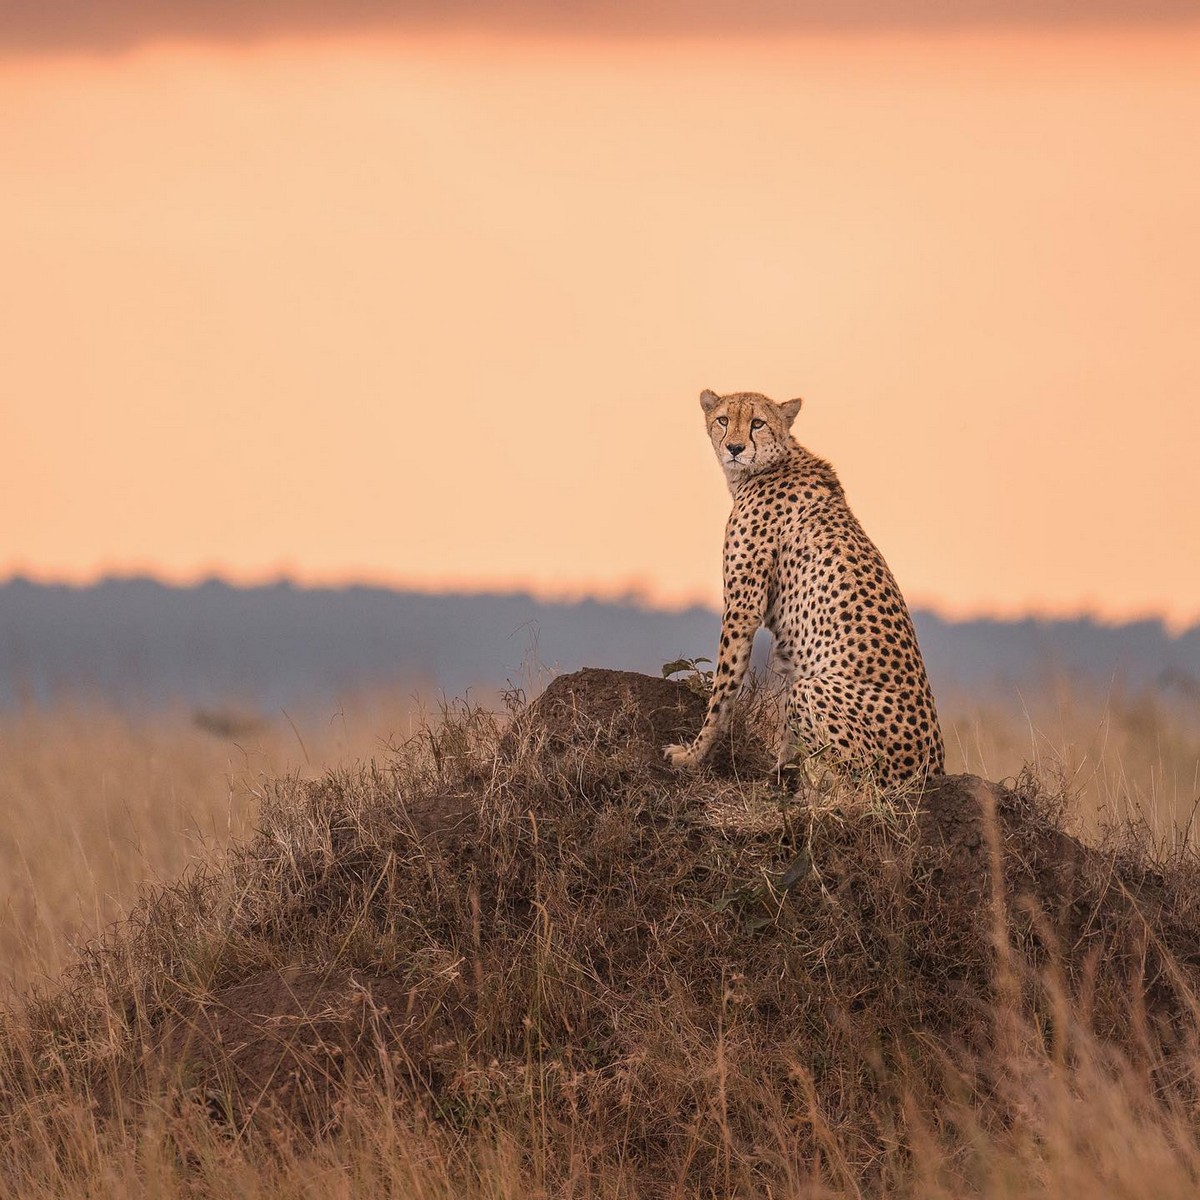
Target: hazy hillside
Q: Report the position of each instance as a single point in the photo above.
(137, 640)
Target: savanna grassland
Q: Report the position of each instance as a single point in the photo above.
(96, 803)
(466, 953)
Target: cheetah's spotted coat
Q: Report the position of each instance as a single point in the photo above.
(798, 562)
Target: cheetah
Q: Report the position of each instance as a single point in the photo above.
(798, 562)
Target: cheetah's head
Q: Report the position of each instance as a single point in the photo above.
(748, 431)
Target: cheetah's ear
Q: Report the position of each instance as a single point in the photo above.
(788, 410)
(709, 400)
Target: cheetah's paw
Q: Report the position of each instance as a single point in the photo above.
(682, 758)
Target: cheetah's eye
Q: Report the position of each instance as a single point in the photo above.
(757, 423)
(722, 421)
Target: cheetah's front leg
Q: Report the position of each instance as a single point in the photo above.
(737, 638)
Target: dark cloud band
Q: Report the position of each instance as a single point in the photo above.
(111, 25)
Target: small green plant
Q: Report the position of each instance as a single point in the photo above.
(696, 677)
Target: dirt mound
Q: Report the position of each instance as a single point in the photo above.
(627, 719)
(543, 906)
(610, 710)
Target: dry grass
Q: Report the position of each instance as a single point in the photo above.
(95, 804)
(601, 994)
(1122, 756)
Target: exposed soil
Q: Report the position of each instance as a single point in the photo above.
(629, 719)
(614, 710)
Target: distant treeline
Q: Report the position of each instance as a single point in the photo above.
(138, 641)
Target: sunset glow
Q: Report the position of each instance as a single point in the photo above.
(437, 310)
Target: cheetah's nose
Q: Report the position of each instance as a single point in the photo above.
(734, 451)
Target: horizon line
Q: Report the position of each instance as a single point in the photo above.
(634, 593)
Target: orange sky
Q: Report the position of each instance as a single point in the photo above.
(433, 309)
